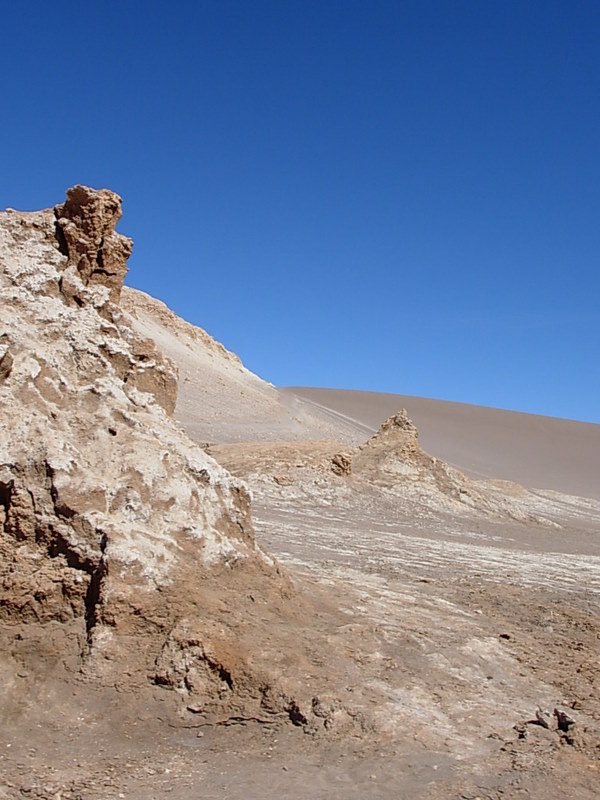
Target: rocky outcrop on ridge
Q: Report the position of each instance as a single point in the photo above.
(219, 399)
(391, 459)
(139, 305)
(85, 231)
(120, 540)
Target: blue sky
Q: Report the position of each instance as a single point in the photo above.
(400, 197)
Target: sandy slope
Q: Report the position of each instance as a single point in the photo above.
(219, 400)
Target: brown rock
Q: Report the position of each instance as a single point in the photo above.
(399, 422)
(86, 224)
(393, 457)
(341, 464)
(283, 480)
(142, 367)
(394, 460)
(563, 720)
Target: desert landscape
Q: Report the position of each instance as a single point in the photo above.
(214, 587)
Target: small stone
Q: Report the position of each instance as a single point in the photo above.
(543, 717)
(563, 719)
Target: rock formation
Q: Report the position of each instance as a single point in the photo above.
(85, 228)
(113, 524)
(394, 460)
(394, 456)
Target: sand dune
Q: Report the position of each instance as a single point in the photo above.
(538, 452)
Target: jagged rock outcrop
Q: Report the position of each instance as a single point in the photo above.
(113, 524)
(394, 456)
(394, 460)
(85, 225)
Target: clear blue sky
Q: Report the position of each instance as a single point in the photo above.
(394, 196)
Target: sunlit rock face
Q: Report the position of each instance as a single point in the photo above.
(113, 524)
(85, 231)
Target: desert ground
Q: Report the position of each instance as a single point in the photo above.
(445, 598)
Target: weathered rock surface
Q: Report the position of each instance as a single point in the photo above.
(86, 234)
(391, 464)
(442, 628)
(394, 460)
(113, 524)
(394, 455)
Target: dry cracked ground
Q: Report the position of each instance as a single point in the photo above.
(455, 619)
